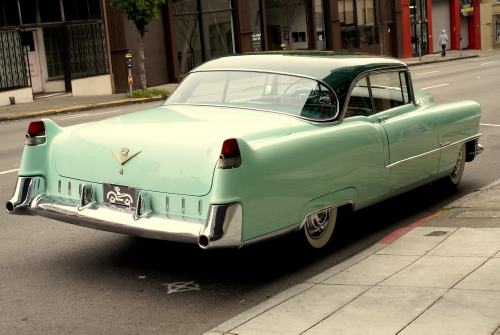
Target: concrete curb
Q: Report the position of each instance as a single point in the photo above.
(439, 61)
(81, 108)
(226, 327)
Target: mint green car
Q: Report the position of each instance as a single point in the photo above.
(250, 147)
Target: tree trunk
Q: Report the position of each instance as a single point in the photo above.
(142, 67)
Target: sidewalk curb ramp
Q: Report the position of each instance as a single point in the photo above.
(80, 108)
(226, 327)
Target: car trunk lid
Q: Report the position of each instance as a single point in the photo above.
(173, 150)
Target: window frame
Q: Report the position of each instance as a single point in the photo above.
(399, 71)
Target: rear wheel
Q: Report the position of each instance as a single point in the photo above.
(319, 227)
(456, 175)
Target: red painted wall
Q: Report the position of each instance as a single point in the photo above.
(455, 24)
(406, 27)
(429, 27)
(475, 27)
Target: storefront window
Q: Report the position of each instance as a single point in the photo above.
(195, 47)
(219, 26)
(286, 23)
(320, 24)
(358, 30)
(255, 24)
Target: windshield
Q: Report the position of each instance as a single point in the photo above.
(297, 96)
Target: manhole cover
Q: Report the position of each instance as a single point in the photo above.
(437, 233)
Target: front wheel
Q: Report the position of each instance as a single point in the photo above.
(319, 227)
(456, 175)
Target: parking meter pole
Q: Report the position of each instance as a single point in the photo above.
(419, 48)
(460, 38)
(128, 61)
(130, 85)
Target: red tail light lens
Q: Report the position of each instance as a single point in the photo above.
(36, 128)
(230, 148)
(230, 154)
(36, 133)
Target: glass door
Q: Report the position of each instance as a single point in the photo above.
(418, 17)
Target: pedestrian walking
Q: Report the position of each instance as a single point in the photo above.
(443, 40)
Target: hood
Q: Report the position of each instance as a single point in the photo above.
(171, 149)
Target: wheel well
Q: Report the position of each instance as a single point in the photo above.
(470, 150)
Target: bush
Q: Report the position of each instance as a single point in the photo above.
(149, 93)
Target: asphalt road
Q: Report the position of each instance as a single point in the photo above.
(56, 278)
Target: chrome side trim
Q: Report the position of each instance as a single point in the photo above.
(274, 234)
(223, 227)
(433, 151)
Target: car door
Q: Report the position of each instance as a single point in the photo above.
(411, 131)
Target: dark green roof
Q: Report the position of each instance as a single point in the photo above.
(337, 69)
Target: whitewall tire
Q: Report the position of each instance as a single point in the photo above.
(319, 227)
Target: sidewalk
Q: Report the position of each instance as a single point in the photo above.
(67, 103)
(440, 275)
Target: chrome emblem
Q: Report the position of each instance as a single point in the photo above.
(124, 153)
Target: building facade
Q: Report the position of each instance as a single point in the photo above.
(80, 46)
(52, 46)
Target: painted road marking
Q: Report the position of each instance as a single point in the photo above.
(489, 63)
(182, 287)
(85, 114)
(107, 112)
(492, 125)
(70, 116)
(9, 171)
(425, 88)
(419, 74)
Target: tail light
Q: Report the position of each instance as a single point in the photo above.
(36, 133)
(230, 156)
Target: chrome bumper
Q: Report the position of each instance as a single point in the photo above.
(222, 229)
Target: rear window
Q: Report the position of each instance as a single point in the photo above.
(303, 97)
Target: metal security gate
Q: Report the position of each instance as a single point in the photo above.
(13, 61)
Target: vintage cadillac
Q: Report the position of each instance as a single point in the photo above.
(250, 147)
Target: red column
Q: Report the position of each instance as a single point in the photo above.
(455, 24)
(429, 27)
(475, 27)
(406, 28)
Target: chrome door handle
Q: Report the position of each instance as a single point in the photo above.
(382, 118)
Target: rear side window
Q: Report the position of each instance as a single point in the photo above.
(378, 92)
(386, 91)
(359, 102)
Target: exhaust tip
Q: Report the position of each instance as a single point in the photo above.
(9, 206)
(203, 241)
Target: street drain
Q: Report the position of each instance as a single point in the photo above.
(437, 233)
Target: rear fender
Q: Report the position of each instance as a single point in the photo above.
(342, 197)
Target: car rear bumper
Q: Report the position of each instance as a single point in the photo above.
(221, 229)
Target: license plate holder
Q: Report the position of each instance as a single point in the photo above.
(119, 197)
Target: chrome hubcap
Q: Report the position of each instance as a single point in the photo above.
(316, 224)
(456, 170)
